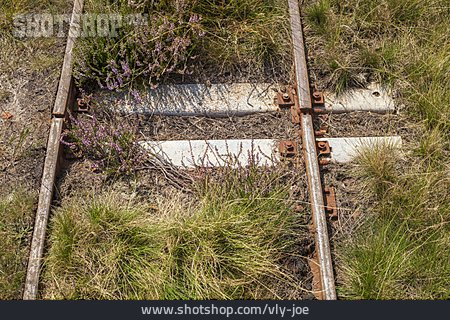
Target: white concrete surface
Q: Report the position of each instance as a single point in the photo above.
(217, 153)
(214, 153)
(346, 149)
(202, 99)
(218, 100)
(374, 99)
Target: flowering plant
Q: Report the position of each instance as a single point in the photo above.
(111, 145)
(140, 53)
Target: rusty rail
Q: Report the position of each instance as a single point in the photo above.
(64, 97)
(323, 252)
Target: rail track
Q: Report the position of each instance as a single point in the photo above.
(304, 104)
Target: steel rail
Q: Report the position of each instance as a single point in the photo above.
(310, 154)
(65, 96)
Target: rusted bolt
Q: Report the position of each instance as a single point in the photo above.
(322, 144)
(287, 149)
(283, 99)
(82, 106)
(330, 202)
(323, 148)
(318, 98)
(289, 145)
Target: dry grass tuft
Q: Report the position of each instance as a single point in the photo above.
(229, 244)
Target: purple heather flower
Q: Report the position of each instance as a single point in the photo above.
(194, 18)
(136, 96)
(126, 69)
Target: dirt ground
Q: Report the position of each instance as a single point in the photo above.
(26, 99)
(365, 124)
(256, 126)
(350, 202)
(207, 73)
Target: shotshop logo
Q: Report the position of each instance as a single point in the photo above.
(83, 25)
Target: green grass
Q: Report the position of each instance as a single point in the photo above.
(246, 33)
(357, 42)
(16, 224)
(11, 8)
(401, 252)
(227, 245)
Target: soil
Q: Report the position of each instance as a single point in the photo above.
(25, 106)
(365, 124)
(256, 126)
(207, 73)
(351, 201)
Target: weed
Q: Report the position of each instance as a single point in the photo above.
(13, 8)
(246, 33)
(179, 35)
(400, 252)
(148, 50)
(227, 245)
(431, 149)
(34, 53)
(317, 14)
(110, 144)
(377, 168)
(364, 41)
(16, 221)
